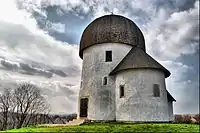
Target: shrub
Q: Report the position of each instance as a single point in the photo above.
(197, 118)
(183, 119)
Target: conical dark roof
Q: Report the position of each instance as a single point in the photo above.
(111, 29)
(137, 58)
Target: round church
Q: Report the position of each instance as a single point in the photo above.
(119, 80)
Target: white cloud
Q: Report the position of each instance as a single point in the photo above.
(21, 41)
(168, 35)
(20, 37)
(55, 27)
(67, 5)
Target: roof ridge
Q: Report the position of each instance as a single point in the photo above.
(154, 60)
(113, 71)
(137, 58)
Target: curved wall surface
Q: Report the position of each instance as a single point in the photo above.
(138, 103)
(101, 105)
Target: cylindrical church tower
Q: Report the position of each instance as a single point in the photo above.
(104, 43)
(106, 47)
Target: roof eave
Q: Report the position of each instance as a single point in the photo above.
(166, 72)
(171, 97)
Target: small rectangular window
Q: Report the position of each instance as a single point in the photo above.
(121, 87)
(108, 56)
(81, 83)
(156, 90)
(105, 81)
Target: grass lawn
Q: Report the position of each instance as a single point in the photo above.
(115, 127)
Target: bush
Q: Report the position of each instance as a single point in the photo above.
(197, 118)
(183, 119)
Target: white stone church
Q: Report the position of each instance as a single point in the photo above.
(120, 81)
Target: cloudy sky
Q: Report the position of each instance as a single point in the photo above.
(39, 42)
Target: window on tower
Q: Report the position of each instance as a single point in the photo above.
(81, 83)
(121, 91)
(156, 90)
(108, 56)
(105, 81)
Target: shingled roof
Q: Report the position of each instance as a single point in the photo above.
(137, 58)
(111, 29)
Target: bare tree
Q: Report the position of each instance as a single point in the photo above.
(22, 106)
(5, 106)
(28, 102)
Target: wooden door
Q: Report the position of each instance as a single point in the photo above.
(84, 107)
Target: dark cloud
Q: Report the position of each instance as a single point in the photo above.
(24, 69)
(175, 5)
(58, 72)
(184, 5)
(29, 69)
(36, 71)
(8, 65)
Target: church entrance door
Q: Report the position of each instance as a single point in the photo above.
(84, 107)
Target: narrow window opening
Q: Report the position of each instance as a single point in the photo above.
(108, 56)
(105, 81)
(81, 83)
(121, 87)
(156, 90)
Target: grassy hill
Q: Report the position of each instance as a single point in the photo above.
(115, 127)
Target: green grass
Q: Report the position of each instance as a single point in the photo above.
(115, 127)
